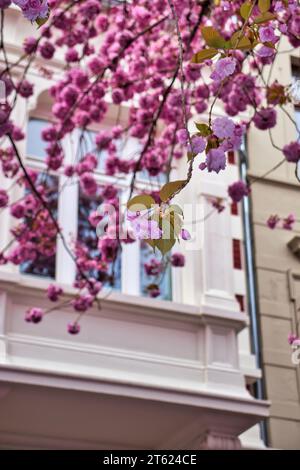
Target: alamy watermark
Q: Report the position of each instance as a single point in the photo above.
(118, 223)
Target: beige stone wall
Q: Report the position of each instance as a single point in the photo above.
(277, 268)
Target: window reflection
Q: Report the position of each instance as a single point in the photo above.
(43, 264)
(35, 144)
(88, 237)
(163, 280)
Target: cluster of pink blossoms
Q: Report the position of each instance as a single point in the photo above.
(225, 135)
(32, 9)
(287, 223)
(155, 269)
(126, 57)
(293, 340)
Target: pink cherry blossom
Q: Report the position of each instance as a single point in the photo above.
(185, 234)
(54, 292)
(292, 338)
(292, 152)
(215, 160)
(153, 268)
(223, 69)
(198, 145)
(33, 9)
(122, 67)
(288, 222)
(73, 328)
(34, 315)
(177, 260)
(273, 221)
(223, 127)
(265, 118)
(3, 198)
(267, 34)
(238, 190)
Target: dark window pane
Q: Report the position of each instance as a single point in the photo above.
(163, 280)
(241, 301)
(237, 256)
(231, 158)
(87, 236)
(234, 208)
(43, 265)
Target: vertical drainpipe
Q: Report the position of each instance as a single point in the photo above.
(251, 285)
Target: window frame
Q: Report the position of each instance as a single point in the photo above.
(68, 200)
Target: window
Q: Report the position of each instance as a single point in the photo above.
(88, 237)
(162, 279)
(241, 300)
(231, 158)
(234, 208)
(127, 273)
(35, 145)
(237, 255)
(43, 262)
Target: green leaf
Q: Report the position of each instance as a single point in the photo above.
(244, 43)
(165, 246)
(264, 18)
(169, 189)
(245, 10)
(213, 38)
(239, 41)
(203, 55)
(41, 21)
(140, 203)
(150, 242)
(203, 129)
(264, 5)
(270, 45)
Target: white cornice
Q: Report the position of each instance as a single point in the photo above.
(34, 291)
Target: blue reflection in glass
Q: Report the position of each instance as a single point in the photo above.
(35, 144)
(88, 237)
(164, 280)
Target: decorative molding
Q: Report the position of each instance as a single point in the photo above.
(214, 441)
(251, 410)
(199, 435)
(21, 441)
(32, 290)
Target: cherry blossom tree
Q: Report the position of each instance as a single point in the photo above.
(165, 61)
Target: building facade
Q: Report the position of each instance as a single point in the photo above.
(277, 268)
(143, 373)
